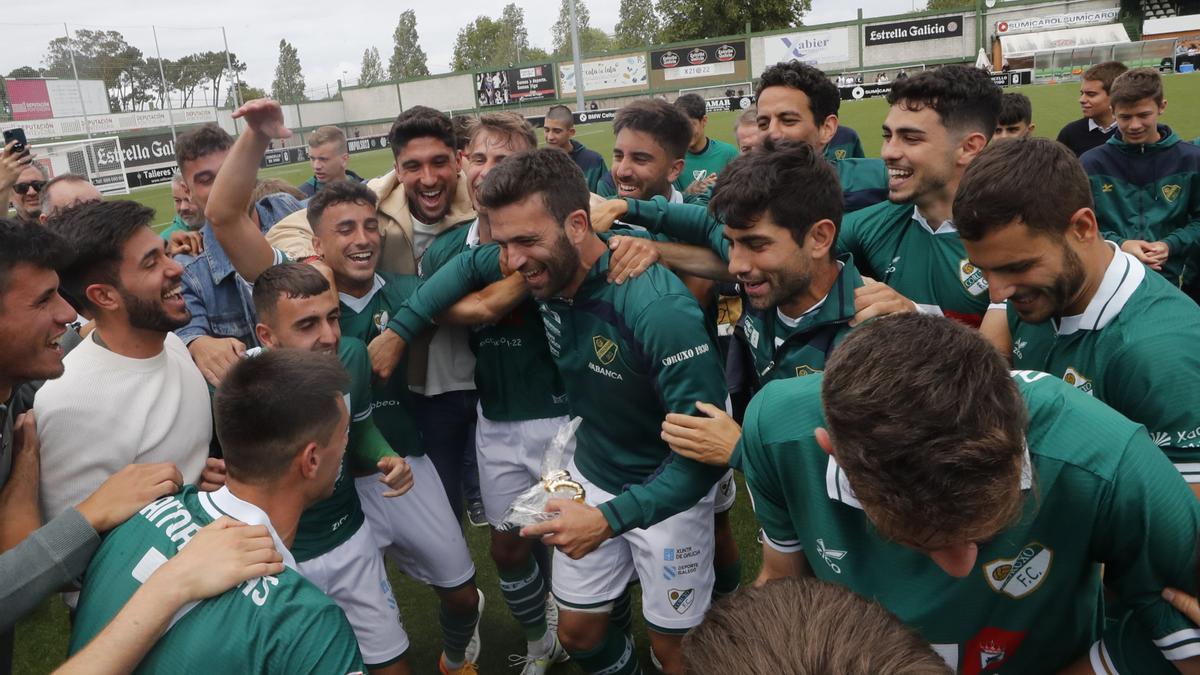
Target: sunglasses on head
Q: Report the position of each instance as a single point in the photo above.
(23, 188)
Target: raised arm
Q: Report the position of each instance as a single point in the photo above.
(228, 205)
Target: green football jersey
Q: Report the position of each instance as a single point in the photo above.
(892, 243)
(273, 624)
(1098, 493)
(327, 524)
(364, 318)
(710, 161)
(514, 374)
(1135, 348)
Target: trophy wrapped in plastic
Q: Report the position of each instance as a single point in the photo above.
(557, 483)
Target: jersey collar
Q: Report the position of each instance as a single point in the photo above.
(359, 304)
(945, 228)
(225, 503)
(837, 486)
(676, 196)
(1121, 279)
(473, 234)
(1092, 126)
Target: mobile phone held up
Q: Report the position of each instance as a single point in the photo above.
(18, 134)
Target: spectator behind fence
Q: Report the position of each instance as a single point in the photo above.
(329, 156)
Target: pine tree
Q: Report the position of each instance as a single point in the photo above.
(408, 59)
(288, 86)
(372, 68)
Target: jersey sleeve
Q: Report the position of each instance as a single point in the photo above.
(323, 643)
(1155, 381)
(685, 369)
(849, 238)
(1185, 240)
(366, 445)
(1146, 535)
(687, 223)
(466, 272)
(763, 478)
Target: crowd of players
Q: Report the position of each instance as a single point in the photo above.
(960, 382)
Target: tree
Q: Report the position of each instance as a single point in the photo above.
(372, 68)
(514, 45)
(637, 24)
(408, 59)
(561, 30)
(693, 20)
(25, 71)
(288, 85)
(478, 44)
(246, 92)
(949, 4)
(99, 54)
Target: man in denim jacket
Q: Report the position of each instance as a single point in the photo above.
(223, 318)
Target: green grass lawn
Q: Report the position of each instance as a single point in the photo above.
(42, 638)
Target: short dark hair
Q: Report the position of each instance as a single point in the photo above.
(421, 122)
(805, 625)
(1105, 73)
(823, 97)
(764, 180)
(96, 234)
(1034, 180)
(930, 438)
(1014, 109)
(692, 105)
(964, 97)
(201, 142)
(292, 279)
(462, 130)
(28, 243)
(662, 121)
(1134, 85)
(546, 171)
(338, 192)
(563, 114)
(269, 406)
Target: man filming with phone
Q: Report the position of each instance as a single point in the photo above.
(23, 176)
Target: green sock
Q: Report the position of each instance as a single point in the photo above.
(622, 615)
(524, 591)
(456, 633)
(728, 579)
(613, 656)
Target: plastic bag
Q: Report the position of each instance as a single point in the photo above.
(530, 506)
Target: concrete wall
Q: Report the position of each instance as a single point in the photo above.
(454, 92)
(372, 103)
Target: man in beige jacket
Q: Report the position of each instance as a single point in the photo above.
(423, 197)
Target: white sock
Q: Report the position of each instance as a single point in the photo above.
(543, 646)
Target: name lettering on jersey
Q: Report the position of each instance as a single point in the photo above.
(1018, 346)
(1171, 193)
(338, 523)
(801, 371)
(169, 515)
(830, 555)
(681, 598)
(686, 354)
(613, 375)
(1187, 439)
(1079, 381)
(1018, 577)
(972, 277)
(258, 590)
(511, 342)
(606, 349)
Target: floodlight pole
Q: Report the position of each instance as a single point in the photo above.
(237, 85)
(166, 92)
(87, 125)
(578, 60)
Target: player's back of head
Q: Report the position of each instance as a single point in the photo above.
(929, 428)
(268, 408)
(965, 98)
(805, 626)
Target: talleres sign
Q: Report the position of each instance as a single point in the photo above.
(914, 30)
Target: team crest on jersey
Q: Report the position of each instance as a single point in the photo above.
(1076, 379)
(380, 320)
(972, 278)
(606, 350)
(1171, 193)
(839, 154)
(681, 599)
(699, 174)
(1018, 577)
(801, 371)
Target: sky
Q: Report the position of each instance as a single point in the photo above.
(330, 47)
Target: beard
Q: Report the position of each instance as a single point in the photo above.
(150, 315)
(1066, 286)
(562, 265)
